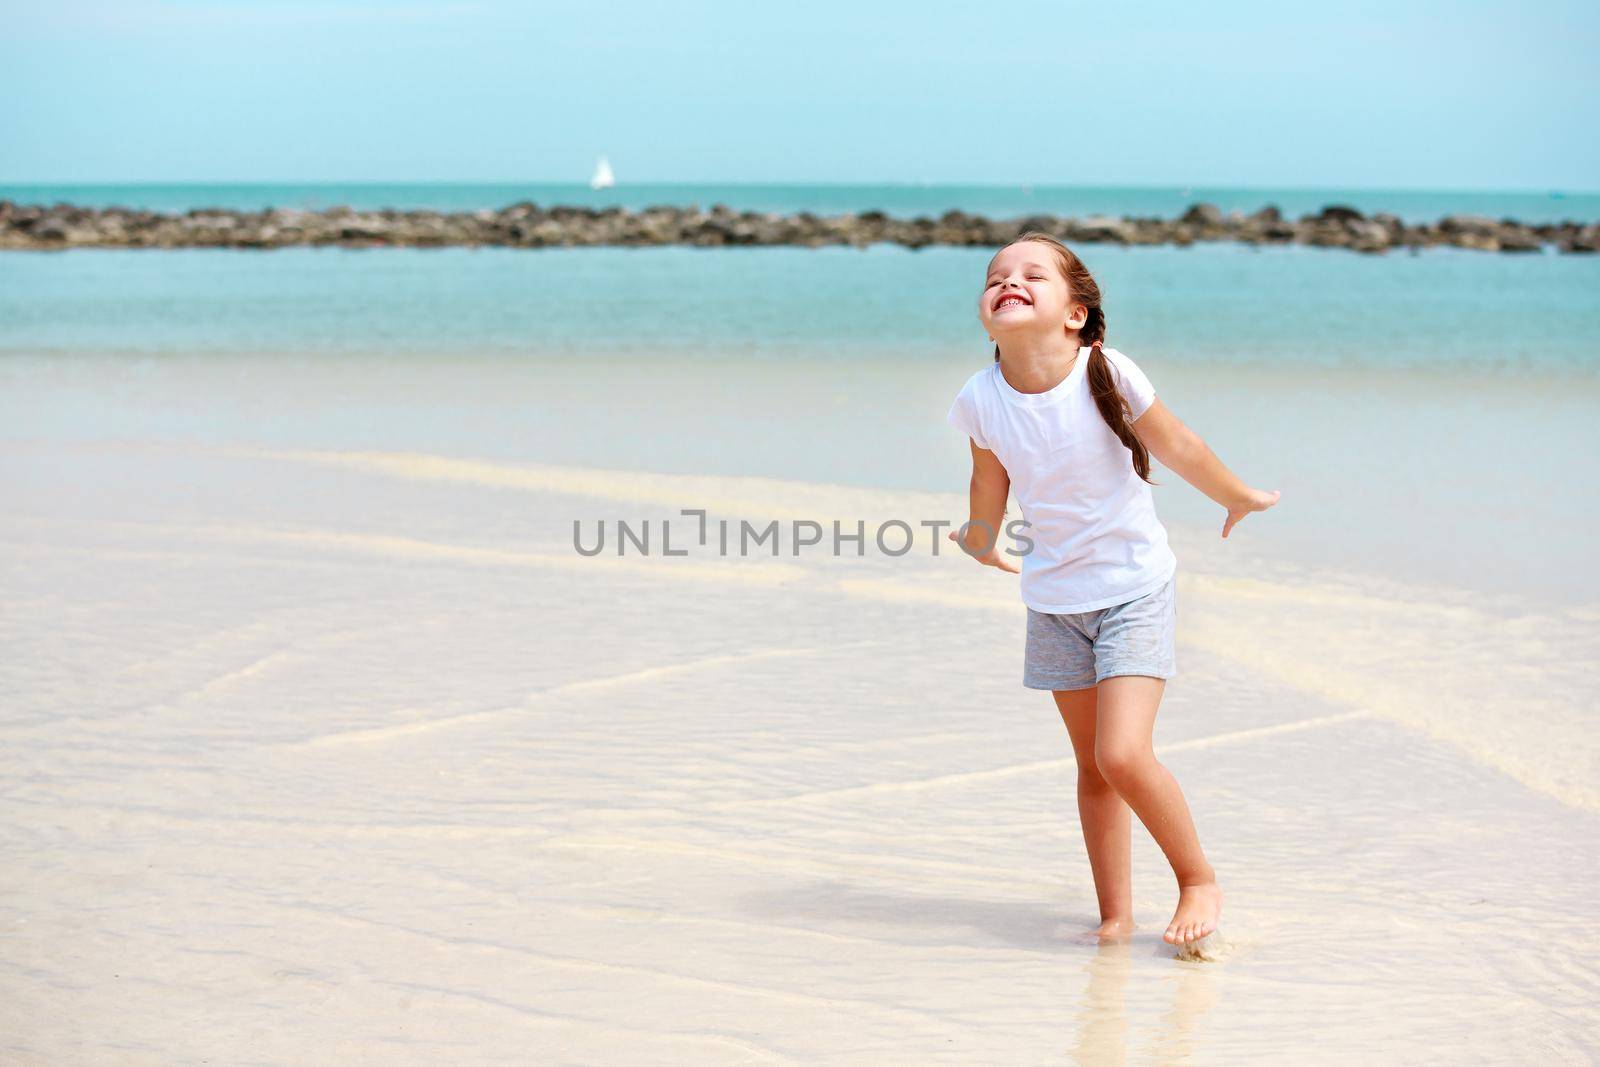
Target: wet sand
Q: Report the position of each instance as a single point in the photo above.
(330, 756)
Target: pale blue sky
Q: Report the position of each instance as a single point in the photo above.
(1453, 95)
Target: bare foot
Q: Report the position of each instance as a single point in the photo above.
(1199, 910)
(1109, 930)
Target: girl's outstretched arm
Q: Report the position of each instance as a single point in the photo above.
(988, 491)
(1185, 454)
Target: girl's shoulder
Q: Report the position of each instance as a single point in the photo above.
(980, 379)
(1118, 356)
(1134, 383)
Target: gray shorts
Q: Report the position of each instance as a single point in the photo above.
(1078, 651)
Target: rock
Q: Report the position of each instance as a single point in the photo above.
(1042, 223)
(1520, 239)
(1100, 228)
(1339, 213)
(50, 229)
(1326, 235)
(1202, 215)
(1467, 224)
(1368, 236)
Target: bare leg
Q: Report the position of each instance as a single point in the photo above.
(1107, 822)
(1125, 754)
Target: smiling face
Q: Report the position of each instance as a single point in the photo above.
(1026, 292)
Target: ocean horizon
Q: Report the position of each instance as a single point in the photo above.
(898, 199)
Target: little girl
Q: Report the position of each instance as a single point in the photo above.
(1068, 427)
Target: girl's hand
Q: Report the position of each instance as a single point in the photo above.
(991, 558)
(1256, 500)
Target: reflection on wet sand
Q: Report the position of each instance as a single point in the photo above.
(1103, 1026)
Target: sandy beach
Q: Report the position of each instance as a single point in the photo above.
(318, 755)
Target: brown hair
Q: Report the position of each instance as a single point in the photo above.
(1102, 376)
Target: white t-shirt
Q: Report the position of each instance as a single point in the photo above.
(1096, 539)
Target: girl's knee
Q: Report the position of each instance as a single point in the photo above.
(1090, 778)
(1122, 762)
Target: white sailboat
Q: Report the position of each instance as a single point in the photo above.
(603, 178)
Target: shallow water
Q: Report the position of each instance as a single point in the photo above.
(358, 739)
(1428, 418)
(1449, 310)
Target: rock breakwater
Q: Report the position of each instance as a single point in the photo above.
(527, 225)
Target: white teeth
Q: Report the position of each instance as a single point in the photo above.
(1008, 301)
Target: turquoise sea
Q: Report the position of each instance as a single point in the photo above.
(1428, 415)
(900, 200)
